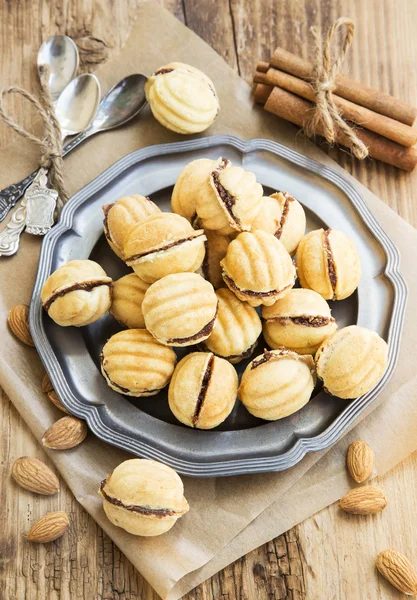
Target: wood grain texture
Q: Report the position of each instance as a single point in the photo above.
(331, 555)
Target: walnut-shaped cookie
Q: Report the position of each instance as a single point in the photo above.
(229, 199)
(188, 184)
(128, 294)
(180, 309)
(351, 362)
(78, 293)
(182, 98)
(257, 268)
(328, 263)
(163, 244)
(203, 390)
(300, 321)
(120, 217)
(216, 248)
(237, 328)
(144, 497)
(134, 363)
(283, 216)
(277, 384)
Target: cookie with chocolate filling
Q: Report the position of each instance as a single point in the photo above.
(351, 362)
(78, 293)
(203, 390)
(229, 200)
(126, 307)
(187, 187)
(300, 321)
(277, 384)
(143, 497)
(180, 309)
(328, 263)
(163, 244)
(216, 248)
(120, 217)
(257, 268)
(237, 328)
(182, 98)
(134, 363)
(283, 216)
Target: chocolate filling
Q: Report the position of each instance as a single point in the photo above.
(86, 287)
(163, 71)
(203, 391)
(267, 356)
(167, 247)
(251, 292)
(122, 389)
(309, 321)
(205, 332)
(331, 267)
(243, 355)
(142, 510)
(285, 211)
(228, 200)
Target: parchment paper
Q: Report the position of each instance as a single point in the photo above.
(228, 516)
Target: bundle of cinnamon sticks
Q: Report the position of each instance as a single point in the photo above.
(385, 124)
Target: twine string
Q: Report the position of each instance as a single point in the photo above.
(326, 117)
(51, 143)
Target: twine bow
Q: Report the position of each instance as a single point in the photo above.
(51, 143)
(326, 118)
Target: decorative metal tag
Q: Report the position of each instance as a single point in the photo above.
(40, 205)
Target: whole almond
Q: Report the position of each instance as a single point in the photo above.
(360, 461)
(46, 385)
(18, 321)
(49, 528)
(66, 433)
(398, 570)
(364, 500)
(53, 397)
(33, 475)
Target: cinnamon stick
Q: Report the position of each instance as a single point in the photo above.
(389, 128)
(262, 93)
(262, 66)
(358, 93)
(292, 108)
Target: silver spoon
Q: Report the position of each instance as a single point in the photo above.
(77, 106)
(60, 54)
(121, 104)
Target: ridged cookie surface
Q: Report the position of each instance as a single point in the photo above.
(126, 307)
(188, 184)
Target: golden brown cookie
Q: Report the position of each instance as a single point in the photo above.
(237, 328)
(187, 187)
(283, 216)
(328, 263)
(277, 384)
(180, 309)
(120, 217)
(257, 268)
(352, 361)
(128, 294)
(203, 390)
(164, 244)
(182, 98)
(300, 321)
(144, 497)
(136, 364)
(216, 248)
(78, 293)
(229, 199)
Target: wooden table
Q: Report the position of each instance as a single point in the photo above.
(320, 558)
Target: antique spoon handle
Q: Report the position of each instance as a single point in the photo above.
(10, 237)
(11, 195)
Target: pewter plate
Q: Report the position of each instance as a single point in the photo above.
(145, 427)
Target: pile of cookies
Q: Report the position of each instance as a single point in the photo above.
(198, 276)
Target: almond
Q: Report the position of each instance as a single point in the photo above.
(398, 570)
(33, 475)
(18, 321)
(365, 500)
(49, 528)
(360, 461)
(53, 397)
(46, 385)
(66, 433)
